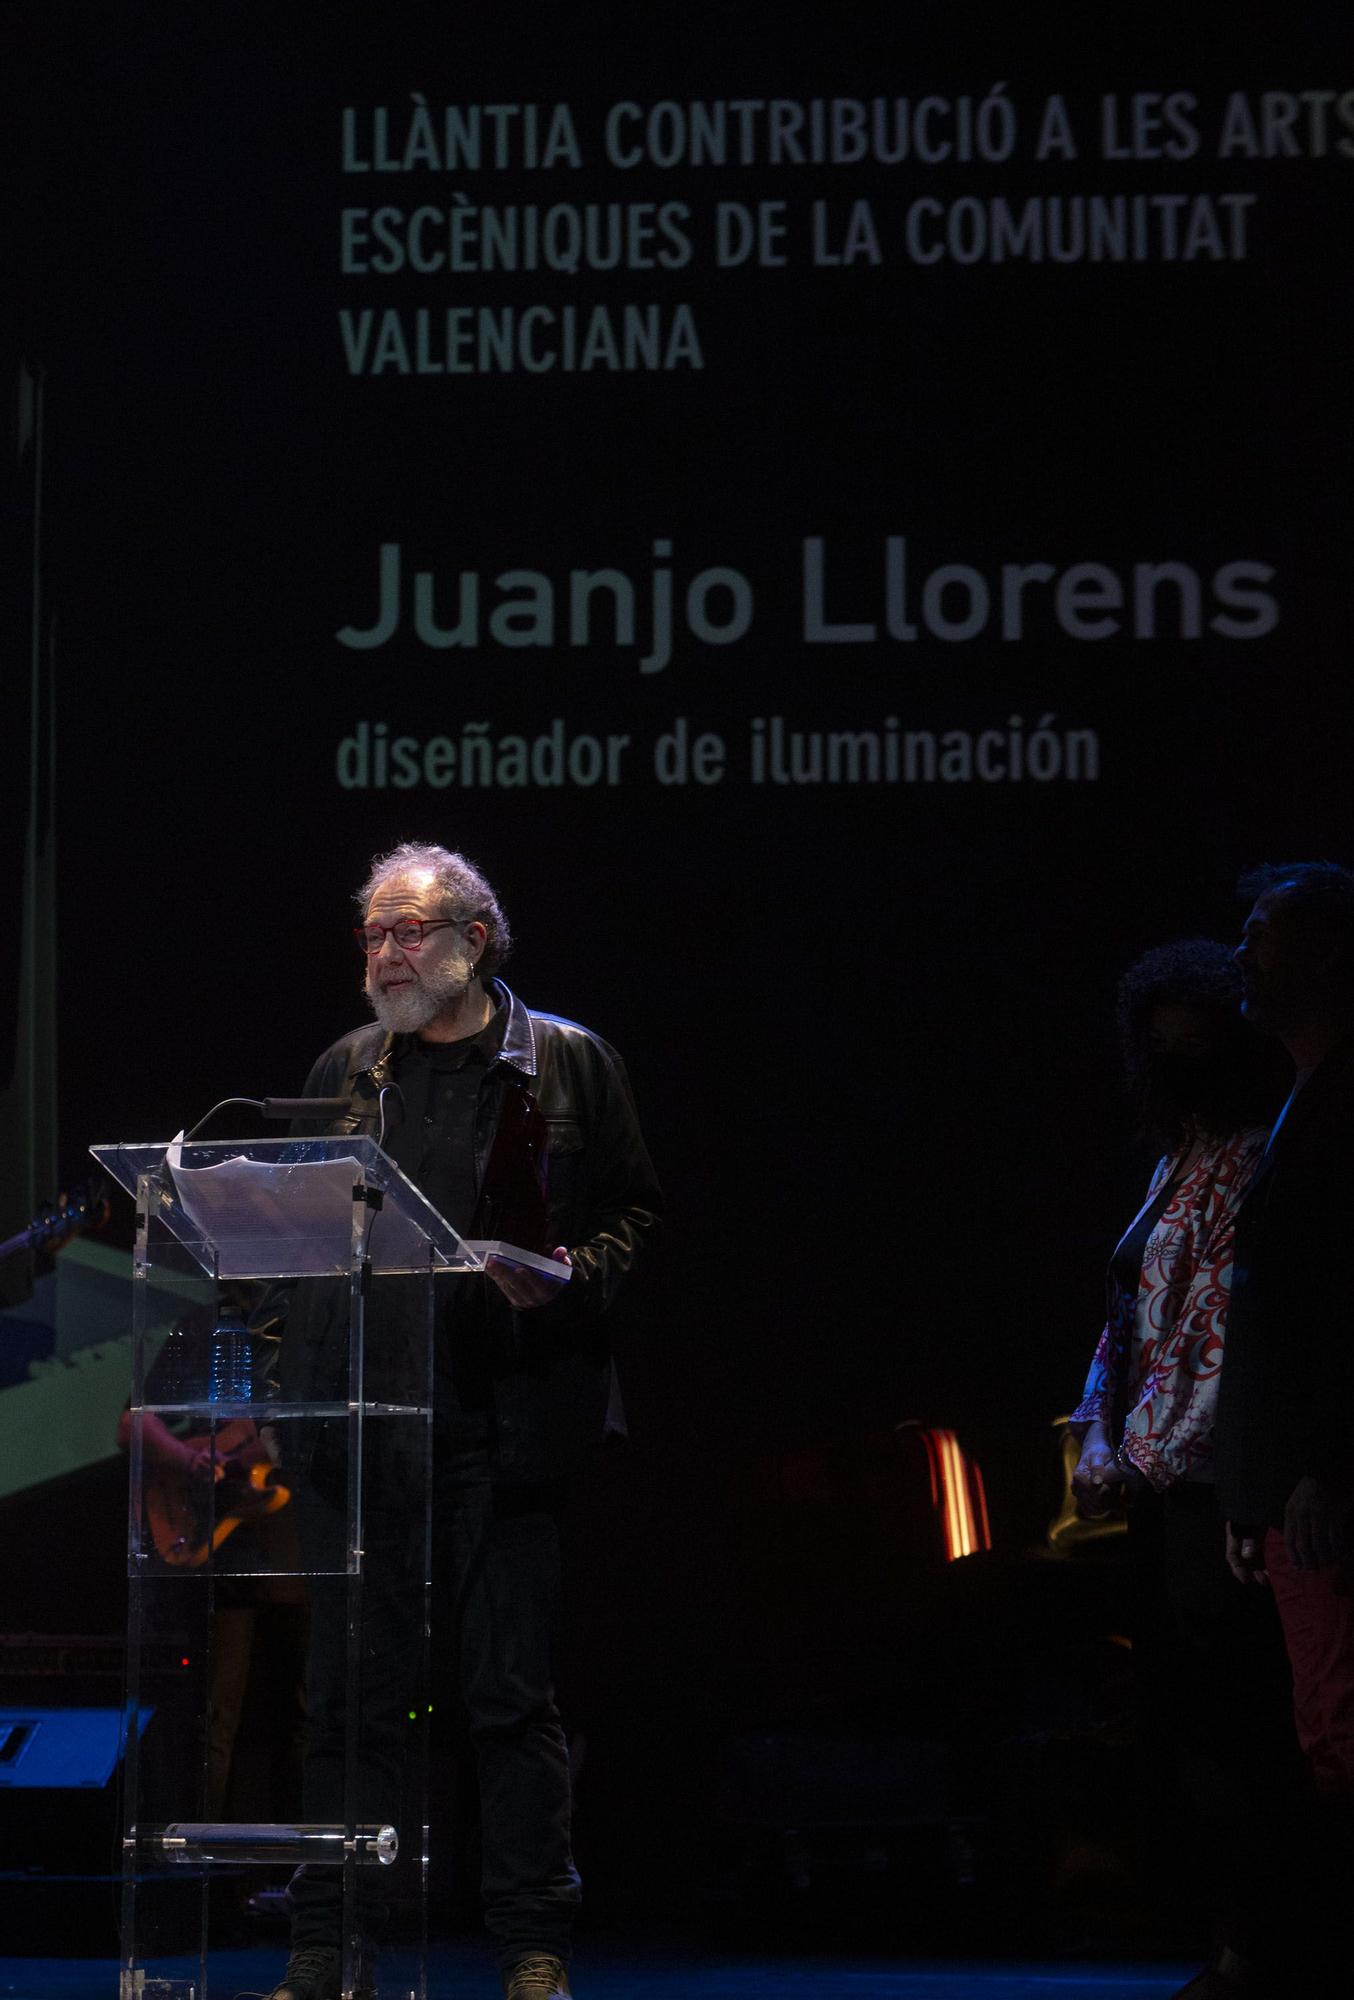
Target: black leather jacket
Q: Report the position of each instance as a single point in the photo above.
(1287, 1386)
(554, 1386)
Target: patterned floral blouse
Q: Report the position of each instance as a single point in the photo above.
(1156, 1368)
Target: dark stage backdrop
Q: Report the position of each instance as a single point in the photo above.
(845, 517)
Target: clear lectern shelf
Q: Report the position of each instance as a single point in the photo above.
(279, 1208)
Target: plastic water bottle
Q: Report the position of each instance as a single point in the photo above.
(169, 1379)
(231, 1380)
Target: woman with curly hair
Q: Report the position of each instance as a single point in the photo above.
(1204, 1087)
(1211, 1669)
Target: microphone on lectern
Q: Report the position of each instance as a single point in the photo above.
(279, 1107)
(305, 1107)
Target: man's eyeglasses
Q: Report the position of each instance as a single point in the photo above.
(408, 932)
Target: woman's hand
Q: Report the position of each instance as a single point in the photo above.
(1098, 1481)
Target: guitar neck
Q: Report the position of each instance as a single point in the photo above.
(84, 1209)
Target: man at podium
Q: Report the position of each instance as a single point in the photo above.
(517, 1126)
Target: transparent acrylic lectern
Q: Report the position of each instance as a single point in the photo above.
(279, 1522)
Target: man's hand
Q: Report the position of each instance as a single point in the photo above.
(1317, 1523)
(1097, 1482)
(522, 1287)
(1246, 1555)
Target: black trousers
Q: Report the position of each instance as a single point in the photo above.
(496, 1551)
(1220, 1774)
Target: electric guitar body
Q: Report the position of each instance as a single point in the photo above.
(190, 1517)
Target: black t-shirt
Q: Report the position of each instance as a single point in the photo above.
(445, 1079)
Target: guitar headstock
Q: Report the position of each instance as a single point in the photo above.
(80, 1211)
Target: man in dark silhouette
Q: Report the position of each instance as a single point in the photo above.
(1285, 1419)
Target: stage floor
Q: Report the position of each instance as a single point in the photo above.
(463, 1973)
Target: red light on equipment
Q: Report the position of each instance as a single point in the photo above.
(957, 1495)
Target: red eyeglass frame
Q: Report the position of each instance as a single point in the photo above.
(361, 932)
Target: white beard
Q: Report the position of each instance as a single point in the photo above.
(412, 1007)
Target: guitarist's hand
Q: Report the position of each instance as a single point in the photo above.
(161, 1447)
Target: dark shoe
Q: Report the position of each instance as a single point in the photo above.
(312, 1973)
(538, 1976)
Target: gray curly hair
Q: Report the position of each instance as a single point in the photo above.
(462, 890)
